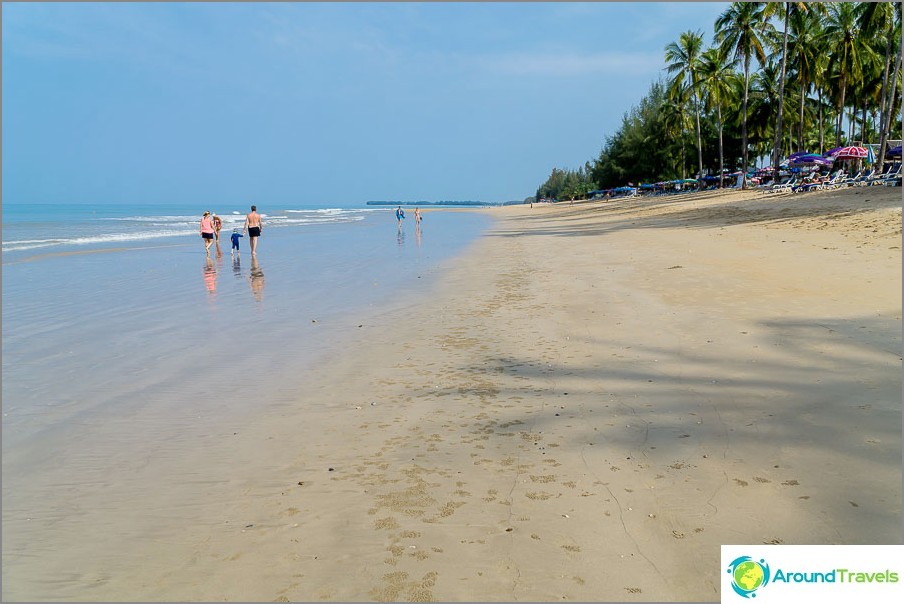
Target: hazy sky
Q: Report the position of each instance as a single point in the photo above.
(319, 102)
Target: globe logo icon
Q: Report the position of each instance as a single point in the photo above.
(748, 575)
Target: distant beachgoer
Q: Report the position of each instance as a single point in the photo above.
(217, 225)
(417, 216)
(235, 241)
(399, 214)
(207, 231)
(253, 226)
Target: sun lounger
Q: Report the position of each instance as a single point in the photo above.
(807, 186)
(784, 187)
(852, 180)
(878, 179)
(892, 180)
(863, 180)
(835, 182)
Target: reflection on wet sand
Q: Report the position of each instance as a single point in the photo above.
(210, 275)
(257, 279)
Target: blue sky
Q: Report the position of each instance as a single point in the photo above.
(311, 103)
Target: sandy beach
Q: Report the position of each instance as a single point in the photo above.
(586, 405)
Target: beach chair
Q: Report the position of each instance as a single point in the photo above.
(878, 179)
(894, 179)
(806, 187)
(785, 187)
(835, 182)
(850, 180)
(861, 179)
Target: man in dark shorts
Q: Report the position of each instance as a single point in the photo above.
(253, 226)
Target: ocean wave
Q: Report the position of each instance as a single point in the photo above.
(143, 227)
(30, 244)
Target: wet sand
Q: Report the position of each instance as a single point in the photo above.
(592, 399)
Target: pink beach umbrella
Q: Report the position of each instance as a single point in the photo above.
(852, 153)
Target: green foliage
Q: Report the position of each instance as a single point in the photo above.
(734, 88)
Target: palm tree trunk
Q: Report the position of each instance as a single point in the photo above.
(893, 87)
(699, 141)
(821, 121)
(744, 122)
(800, 129)
(888, 107)
(840, 111)
(863, 123)
(721, 154)
(776, 151)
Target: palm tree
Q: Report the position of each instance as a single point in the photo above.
(764, 100)
(675, 119)
(683, 57)
(716, 78)
(883, 20)
(773, 8)
(850, 49)
(805, 51)
(739, 30)
(821, 82)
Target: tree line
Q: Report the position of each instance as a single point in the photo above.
(777, 77)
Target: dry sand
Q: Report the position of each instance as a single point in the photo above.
(594, 398)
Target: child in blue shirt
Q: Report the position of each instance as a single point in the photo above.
(235, 241)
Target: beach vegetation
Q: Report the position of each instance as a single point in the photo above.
(775, 78)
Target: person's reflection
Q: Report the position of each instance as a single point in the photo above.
(417, 233)
(210, 276)
(401, 235)
(257, 279)
(237, 266)
(219, 252)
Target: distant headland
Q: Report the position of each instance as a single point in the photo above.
(440, 203)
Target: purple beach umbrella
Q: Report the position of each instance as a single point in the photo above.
(810, 160)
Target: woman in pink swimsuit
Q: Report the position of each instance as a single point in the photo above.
(207, 231)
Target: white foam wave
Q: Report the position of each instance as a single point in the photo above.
(29, 244)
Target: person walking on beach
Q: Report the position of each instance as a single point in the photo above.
(207, 231)
(217, 225)
(235, 242)
(399, 214)
(253, 226)
(417, 217)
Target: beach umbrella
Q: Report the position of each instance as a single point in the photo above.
(852, 153)
(810, 160)
(798, 154)
(832, 152)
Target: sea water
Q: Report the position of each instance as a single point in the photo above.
(101, 304)
(125, 344)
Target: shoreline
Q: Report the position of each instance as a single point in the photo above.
(583, 407)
